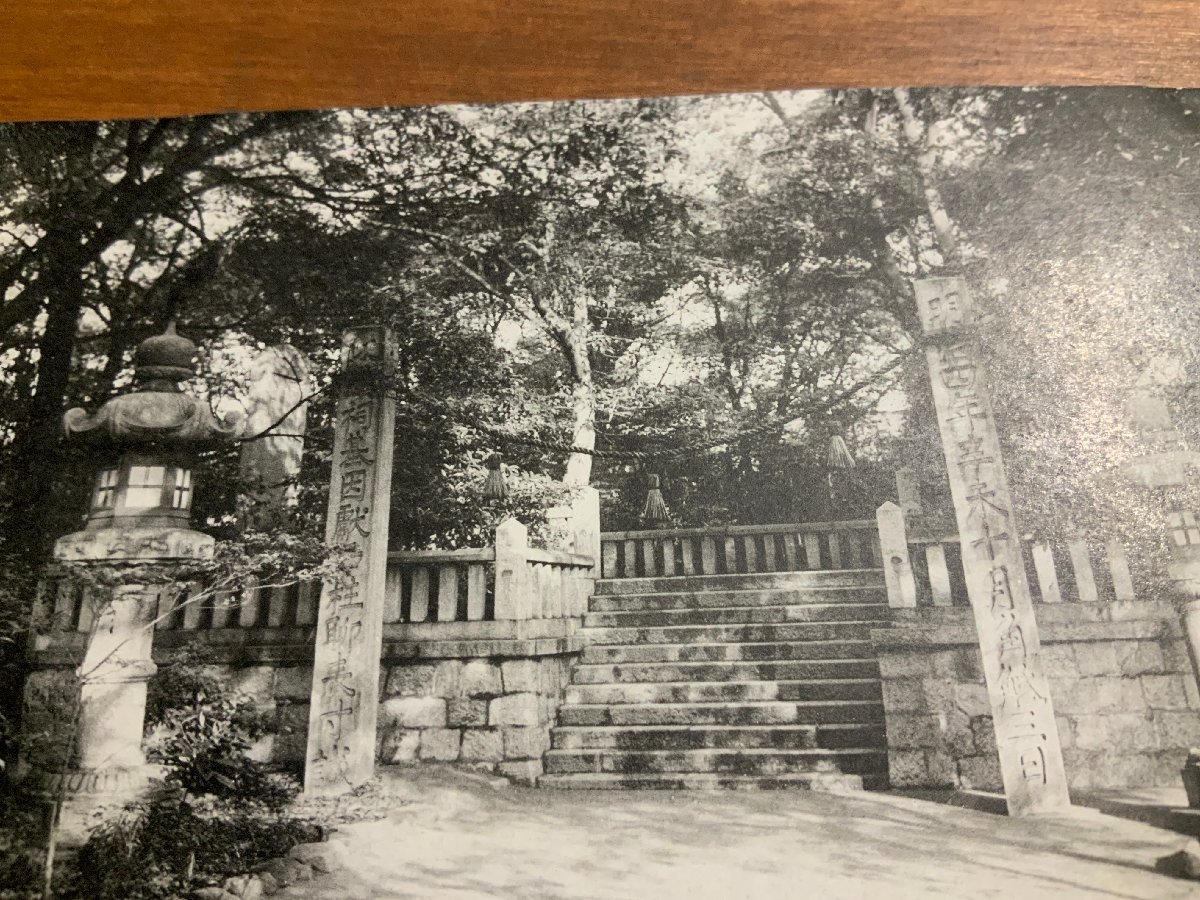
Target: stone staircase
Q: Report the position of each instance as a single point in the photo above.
(726, 681)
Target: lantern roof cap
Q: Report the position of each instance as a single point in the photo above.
(168, 357)
(156, 412)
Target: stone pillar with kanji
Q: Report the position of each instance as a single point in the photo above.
(137, 534)
(1163, 471)
(1027, 740)
(349, 640)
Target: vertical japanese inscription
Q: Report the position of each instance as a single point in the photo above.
(1026, 734)
(345, 692)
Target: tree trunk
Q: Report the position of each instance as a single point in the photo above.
(918, 137)
(37, 455)
(583, 399)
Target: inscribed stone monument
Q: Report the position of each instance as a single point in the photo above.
(345, 692)
(1026, 733)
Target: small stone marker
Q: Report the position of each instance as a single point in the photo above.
(1026, 733)
(345, 693)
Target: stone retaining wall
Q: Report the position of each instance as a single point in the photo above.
(490, 712)
(482, 701)
(1124, 696)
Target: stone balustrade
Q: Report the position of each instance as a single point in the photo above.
(740, 549)
(924, 568)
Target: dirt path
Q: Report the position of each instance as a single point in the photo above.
(459, 836)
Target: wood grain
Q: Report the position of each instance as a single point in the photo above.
(124, 58)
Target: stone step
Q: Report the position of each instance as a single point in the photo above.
(806, 781)
(729, 651)
(764, 712)
(725, 691)
(751, 761)
(643, 673)
(690, 737)
(712, 634)
(740, 615)
(723, 599)
(847, 578)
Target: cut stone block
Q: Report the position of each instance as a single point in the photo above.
(972, 699)
(1140, 657)
(1097, 659)
(414, 712)
(514, 709)
(907, 768)
(440, 744)
(480, 678)
(482, 745)
(980, 773)
(1115, 732)
(903, 695)
(1164, 691)
(521, 675)
(525, 742)
(985, 734)
(463, 711)
(893, 666)
(411, 681)
(910, 732)
(526, 771)
(400, 746)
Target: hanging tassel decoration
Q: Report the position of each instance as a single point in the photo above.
(839, 454)
(494, 487)
(838, 459)
(656, 508)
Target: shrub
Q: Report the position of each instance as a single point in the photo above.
(166, 848)
(21, 854)
(201, 729)
(222, 816)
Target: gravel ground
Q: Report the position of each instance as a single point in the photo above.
(450, 834)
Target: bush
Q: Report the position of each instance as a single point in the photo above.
(220, 818)
(167, 848)
(21, 847)
(201, 729)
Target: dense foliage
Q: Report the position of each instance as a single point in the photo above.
(710, 282)
(223, 814)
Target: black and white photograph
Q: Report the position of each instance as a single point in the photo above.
(771, 495)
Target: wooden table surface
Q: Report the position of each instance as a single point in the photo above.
(119, 58)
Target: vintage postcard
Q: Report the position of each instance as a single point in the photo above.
(761, 495)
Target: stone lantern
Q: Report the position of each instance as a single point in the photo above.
(138, 522)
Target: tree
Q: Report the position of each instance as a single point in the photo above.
(107, 231)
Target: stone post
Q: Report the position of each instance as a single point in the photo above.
(1031, 763)
(897, 566)
(345, 692)
(276, 418)
(512, 571)
(908, 489)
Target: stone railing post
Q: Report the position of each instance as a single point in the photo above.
(585, 526)
(512, 571)
(897, 567)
